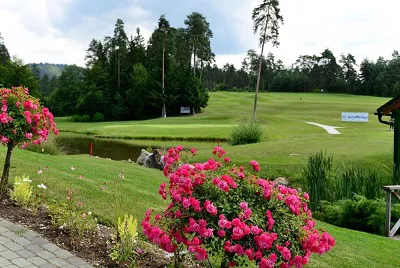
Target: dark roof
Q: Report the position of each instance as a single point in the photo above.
(389, 106)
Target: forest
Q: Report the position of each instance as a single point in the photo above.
(126, 78)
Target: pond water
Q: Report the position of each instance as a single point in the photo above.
(104, 148)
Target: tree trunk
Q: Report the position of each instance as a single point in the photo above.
(194, 61)
(6, 169)
(164, 110)
(258, 79)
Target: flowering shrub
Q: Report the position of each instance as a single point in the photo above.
(218, 208)
(22, 120)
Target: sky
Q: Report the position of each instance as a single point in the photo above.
(59, 31)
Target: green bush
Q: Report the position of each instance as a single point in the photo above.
(98, 117)
(81, 118)
(246, 133)
(358, 213)
(22, 192)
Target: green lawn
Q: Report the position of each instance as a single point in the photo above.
(283, 117)
(288, 140)
(138, 191)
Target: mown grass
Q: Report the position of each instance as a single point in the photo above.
(138, 191)
(288, 140)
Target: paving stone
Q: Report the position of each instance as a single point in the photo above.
(58, 262)
(45, 254)
(9, 234)
(34, 248)
(4, 240)
(2, 248)
(15, 228)
(37, 261)
(3, 229)
(13, 246)
(76, 261)
(39, 240)
(11, 266)
(8, 254)
(29, 234)
(22, 241)
(25, 253)
(50, 247)
(4, 262)
(62, 253)
(49, 265)
(21, 262)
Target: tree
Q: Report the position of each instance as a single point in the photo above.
(266, 19)
(45, 85)
(23, 120)
(199, 35)
(164, 27)
(4, 55)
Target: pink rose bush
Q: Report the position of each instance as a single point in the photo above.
(220, 209)
(23, 120)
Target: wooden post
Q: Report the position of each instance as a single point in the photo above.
(389, 232)
(91, 148)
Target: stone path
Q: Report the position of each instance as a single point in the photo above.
(20, 247)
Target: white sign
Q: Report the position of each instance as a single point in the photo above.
(354, 117)
(185, 110)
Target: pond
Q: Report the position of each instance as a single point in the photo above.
(104, 148)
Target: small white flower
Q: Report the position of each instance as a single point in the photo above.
(42, 150)
(27, 180)
(39, 171)
(42, 186)
(89, 213)
(72, 168)
(17, 183)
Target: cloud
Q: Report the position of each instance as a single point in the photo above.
(31, 29)
(360, 27)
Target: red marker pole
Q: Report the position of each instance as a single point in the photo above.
(91, 148)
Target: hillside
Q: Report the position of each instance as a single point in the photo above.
(51, 69)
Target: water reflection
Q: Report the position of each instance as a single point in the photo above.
(104, 148)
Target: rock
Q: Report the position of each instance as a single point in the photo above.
(281, 181)
(154, 160)
(142, 157)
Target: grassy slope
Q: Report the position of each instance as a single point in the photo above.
(284, 116)
(138, 191)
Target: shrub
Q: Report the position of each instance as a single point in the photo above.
(125, 243)
(229, 211)
(23, 120)
(81, 118)
(246, 133)
(358, 213)
(22, 192)
(98, 117)
(76, 118)
(70, 218)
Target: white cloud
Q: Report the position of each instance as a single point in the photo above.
(363, 28)
(28, 31)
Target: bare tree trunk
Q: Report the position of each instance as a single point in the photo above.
(194, 61)
(6, 169)
(258, 79)
(164, 110)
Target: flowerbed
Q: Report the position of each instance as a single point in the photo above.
(228, 212)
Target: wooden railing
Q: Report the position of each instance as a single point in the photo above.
(391, 190)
